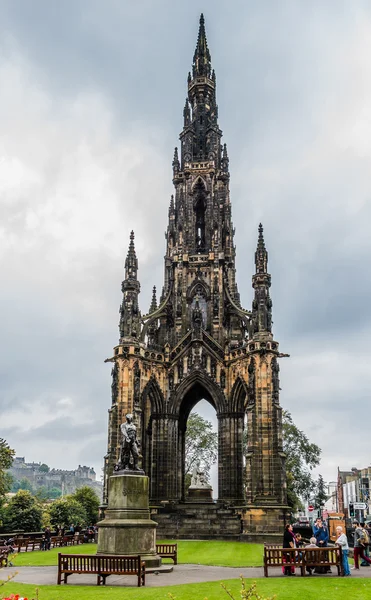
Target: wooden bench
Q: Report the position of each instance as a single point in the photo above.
(302, 558)
(168, 551)
(102, 566)
(21, 543)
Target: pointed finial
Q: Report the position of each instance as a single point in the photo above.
(225, 152)
(186, 113)
(201, 58)
(131, 245)
(131, 262)
(261, 254)
(172, 202)
(176, 163)
(153, 306)
(261, 243)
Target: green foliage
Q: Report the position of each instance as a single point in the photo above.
(54, 493)
(301, 457)
(22, 512)
(66, 511)
(22, 484)
(212, 553)
(87, 497)
(44, 468)
(320, 496)
(6, 460)
(201, 446)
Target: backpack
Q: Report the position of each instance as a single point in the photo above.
(365, 539)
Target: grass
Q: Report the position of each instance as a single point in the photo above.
(221, 554)
(285, 589)
(233, 554)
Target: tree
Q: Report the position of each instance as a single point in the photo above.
(66, 511)
(321, 495)
(54, 493)
(25, 484)
(23, 513)
(90, 501)
(6, 460)
(301, 457)
(44, 468)
(201, 446)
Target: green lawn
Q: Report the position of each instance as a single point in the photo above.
(285, 589)
(233, 554)
(222, 554)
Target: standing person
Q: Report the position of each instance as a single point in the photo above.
(359, 549)
(289, 541)
(366, 544)
(320, 532)
(342, 541)
(48, 538)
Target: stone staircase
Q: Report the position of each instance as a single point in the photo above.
(201, 521)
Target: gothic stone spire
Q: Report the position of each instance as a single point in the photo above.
(129, 309)
(201, 58)
(261, 282)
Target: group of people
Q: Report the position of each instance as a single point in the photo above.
(320, 540)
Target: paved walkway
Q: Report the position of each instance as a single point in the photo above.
(181, 574)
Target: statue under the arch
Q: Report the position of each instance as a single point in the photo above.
(198, 342)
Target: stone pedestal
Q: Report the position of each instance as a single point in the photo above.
(264, 520)
(201, 494)
(127, 527)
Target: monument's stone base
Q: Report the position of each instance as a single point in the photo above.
(263, 522)
(200, 495)
(196, 521)
(127, 527)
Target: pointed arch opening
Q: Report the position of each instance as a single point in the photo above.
(199, 207)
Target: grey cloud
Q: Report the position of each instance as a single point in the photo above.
(113, 80)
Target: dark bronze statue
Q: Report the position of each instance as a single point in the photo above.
(129, 452)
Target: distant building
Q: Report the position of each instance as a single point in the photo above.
(67, 481)
(354, 486)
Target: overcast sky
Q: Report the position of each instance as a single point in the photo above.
(91, 100)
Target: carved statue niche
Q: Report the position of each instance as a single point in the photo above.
(275, 380)
(213, 368)
(190, 359)
(136, 383)
(115, 383)
(216, 305)
(171, 380)
(197, 319)
(180, 369)
(204, 359)
(251, 386)
(222, 379)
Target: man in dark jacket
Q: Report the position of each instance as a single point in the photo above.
(320, 532)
